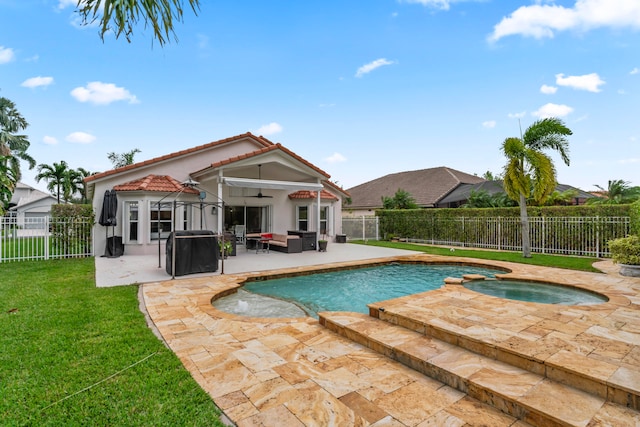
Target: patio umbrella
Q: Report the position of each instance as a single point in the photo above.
(109, 209)
(108, 218)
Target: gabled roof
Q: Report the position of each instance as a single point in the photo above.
(161, 183)
(259, 139)
(426, 186)
(307, 194)
(270, 148)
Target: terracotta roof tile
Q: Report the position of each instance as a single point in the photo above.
(160, 183)
(267, 149)
(259, 139)
(306, 194)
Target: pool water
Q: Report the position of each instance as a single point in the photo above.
(535, 292)
(352, 290)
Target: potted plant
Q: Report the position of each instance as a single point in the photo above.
(225, 247)
(626, 252)
(322, 244)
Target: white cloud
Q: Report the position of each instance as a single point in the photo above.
(62, 4)
(49, 140)
(548, 90)
(635, 71)
(552, 110)
(517, 115)
(438, 4)
(629, 161)
(80, 138)
(489, 124)
(590, 82)
(103, 93)
(336, 158)
(367, 68)
(270, 129)
(544, 20)
(37, 81)
(6, 55)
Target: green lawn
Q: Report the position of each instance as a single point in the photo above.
(73, 354)
(560, 261)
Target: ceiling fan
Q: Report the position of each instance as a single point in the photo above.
(260, 195)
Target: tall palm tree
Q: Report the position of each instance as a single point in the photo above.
(56, 176)
(530, 173)
(13, 147)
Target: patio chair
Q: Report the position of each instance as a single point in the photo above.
(239, 231)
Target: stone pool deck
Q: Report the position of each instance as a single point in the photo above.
(487, 361)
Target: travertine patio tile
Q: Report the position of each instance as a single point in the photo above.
(363, 407)
(413, 403)
(339, 382)
(385, 377)
(319, 408)
(475, 413)
(274, 417)
(506, 380)
(565, 404)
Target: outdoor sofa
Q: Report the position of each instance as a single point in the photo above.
(279, 242)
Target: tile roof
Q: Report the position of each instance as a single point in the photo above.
(160, 183)
(260, 139)
(306, 194)
(426, 186)
(264, 150)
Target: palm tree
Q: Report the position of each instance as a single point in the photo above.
(83, 173)
(530, 173)
(56, 176)
(13, 147)
(618, 191)
(121, 17)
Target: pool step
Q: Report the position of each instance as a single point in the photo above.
(614, 383)
(526, 395)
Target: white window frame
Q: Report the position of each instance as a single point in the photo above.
(308, 219)
(128, 221)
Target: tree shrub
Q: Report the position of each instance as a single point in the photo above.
(625, 250)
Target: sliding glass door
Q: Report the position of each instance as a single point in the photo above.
(254, 218)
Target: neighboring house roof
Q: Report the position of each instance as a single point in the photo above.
(307, 194)
(163, 183)
(461, 194)
(25, 195)
(426, 186)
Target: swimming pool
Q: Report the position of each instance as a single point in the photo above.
(544, 293)
(348, 290)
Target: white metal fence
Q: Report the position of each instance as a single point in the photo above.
(361, 228)
(584, 236)
(44, 238)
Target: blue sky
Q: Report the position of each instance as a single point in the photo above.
(360, 88)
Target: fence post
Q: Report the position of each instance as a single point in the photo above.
(499, 233)
(47, 236)
(597, 236)
(364, 239)
(377, 228)
(544, 236)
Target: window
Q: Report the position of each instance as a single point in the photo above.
(302, 217)
(161, 220)
(324, 215)
(132, 212)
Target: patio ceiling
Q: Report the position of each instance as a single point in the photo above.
(271, 184)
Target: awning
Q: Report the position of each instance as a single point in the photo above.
(271, 185)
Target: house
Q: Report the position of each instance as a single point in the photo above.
(461, 194)
(427, 186)
(244, 181)
(28, 205)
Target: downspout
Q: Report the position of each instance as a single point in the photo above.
(220, 218)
